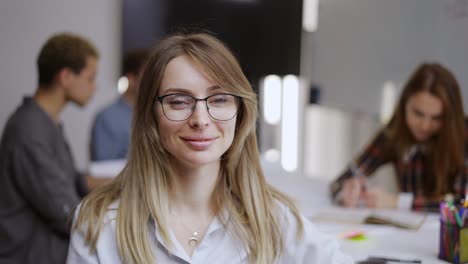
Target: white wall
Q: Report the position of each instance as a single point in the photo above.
(333, 136)
(360, 44)
(452, 40)
(24, 27)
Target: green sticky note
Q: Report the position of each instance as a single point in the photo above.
(463, 245)
(358, 238)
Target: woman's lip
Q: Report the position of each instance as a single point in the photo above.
(198, 138)
(422, 135)
(199, 143)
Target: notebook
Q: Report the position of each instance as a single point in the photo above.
(397, 218)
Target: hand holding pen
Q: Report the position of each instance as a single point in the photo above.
(353, 191)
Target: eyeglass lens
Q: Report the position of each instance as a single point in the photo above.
(179, 107)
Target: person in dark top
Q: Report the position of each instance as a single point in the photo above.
(110, 137)
(425, 140)
(39, 184)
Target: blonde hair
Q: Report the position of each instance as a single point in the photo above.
(142, 187)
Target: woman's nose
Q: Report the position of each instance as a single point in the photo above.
(200, 116)
(426, 124)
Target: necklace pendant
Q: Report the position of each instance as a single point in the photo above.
(193, 240)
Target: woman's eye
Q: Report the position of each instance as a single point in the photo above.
(417, 113)
(218, 100)
(177, 102)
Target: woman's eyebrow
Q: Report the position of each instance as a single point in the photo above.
(214, 88)
(189, 91)
(418, 111)
(176, 90)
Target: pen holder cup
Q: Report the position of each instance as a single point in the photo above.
(453, 243)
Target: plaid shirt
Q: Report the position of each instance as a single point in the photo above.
(410, 172)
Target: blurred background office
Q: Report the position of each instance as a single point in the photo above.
(348, 57)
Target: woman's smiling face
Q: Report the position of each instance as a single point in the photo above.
(199, 140)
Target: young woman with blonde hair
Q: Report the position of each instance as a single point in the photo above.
(193, 190)
(425, 141)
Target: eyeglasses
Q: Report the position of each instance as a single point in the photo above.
(179, 107)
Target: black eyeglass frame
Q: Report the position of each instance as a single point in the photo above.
(160, 99)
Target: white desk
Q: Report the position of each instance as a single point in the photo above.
(312, 196)
(391, 242)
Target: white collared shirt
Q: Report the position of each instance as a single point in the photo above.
(218, 245)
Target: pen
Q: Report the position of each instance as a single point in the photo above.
(396, 260)
(443, 215)
(464, 217)
(449, 215)
(465, 213)
(457, 217)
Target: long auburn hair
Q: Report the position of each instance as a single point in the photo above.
(142, 187)
(446, 148)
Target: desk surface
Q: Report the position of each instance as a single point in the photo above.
(391, 242)
(312, 196)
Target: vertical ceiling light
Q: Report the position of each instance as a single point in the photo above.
(122, 85)
(310, 15)
(389, 97)
(272, 155)
(290, 123)
(272, 99)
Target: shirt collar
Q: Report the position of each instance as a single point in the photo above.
(218, 222)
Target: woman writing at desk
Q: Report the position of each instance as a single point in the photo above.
(425, 141)
(193, 190)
